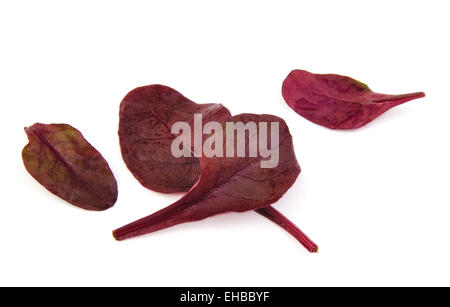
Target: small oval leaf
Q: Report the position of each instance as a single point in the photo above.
(60, 159)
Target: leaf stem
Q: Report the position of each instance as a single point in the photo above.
(176, 214)
(282, 221)
(164, 218)
(399, 98)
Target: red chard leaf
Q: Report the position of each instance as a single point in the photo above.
(146, 117)
(232, 184)
(337, 102)
(60, 159)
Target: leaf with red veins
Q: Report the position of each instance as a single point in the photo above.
(231, 184)
(60, 159)
(337, 102)
(146, 117)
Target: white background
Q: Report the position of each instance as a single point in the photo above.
(374, 199)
